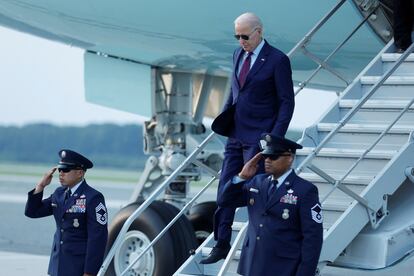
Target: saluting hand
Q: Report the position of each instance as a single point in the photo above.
(250, 168)
(47, 178)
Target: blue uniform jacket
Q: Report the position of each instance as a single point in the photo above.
(285, 234)
(266, 101)
(81, 229)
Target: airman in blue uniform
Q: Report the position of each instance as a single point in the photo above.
(285, 234)
(80, 214)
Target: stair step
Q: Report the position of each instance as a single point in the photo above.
(392, 57)
(367, 128)
(353, 180)
(237, 226)
(330, 217)
(350, 153)
(392, 80)
(339, 206)
(205, 251)
(376, 104)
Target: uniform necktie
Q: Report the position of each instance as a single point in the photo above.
(68, 193)
(272, 188)
(245, 69)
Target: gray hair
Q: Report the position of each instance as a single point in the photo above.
(250, 18)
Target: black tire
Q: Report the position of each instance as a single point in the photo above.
(202, 218)
(149, 223)
(182, 231)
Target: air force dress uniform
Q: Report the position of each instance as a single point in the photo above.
(285, 234)
(81, 222)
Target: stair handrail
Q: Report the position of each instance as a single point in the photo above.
(337, 184)
(301, 45)
(226, 264)
(152, 197)
(323, 64)
(357, 107)
(305, 40)
(171, 223)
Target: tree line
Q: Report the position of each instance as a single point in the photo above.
(107, 145)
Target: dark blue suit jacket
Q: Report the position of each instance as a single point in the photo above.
(266, 101)
(284, 235)
(81, 229)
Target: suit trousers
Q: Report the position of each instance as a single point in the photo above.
(236, 154)
(403, 23)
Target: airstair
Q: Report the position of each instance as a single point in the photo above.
(358, 154)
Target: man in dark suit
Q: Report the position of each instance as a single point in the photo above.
(261, 100)
(80, 214)
(403, 24)
(285, 233)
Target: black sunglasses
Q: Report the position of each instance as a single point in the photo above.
(274, 157)
(244, 37)
(66, 170)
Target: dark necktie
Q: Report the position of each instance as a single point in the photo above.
(68, 192)
(245, 69)
(272, 188)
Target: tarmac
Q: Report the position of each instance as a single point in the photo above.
(20, 264)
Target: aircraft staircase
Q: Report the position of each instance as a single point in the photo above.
(357, 155)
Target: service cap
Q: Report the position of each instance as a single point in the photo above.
(273, 145)
(70, 159)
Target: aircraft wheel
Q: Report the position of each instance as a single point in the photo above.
(184, 240)
(157, 260)
(201, 217)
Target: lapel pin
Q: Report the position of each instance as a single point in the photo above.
(75, 223)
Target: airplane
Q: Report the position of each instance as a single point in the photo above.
(170, 61)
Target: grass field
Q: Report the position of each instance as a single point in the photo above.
(98, 174)
(37, 170)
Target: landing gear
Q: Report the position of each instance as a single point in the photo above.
(166, 255)
(201, 217)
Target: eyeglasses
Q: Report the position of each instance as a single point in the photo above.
(244, 37)
(274, 157)
(66, 170)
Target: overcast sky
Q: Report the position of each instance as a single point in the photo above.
(42, 81)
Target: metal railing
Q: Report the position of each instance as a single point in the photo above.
(233, 250)
(337, 184)
(323, 64)
(190, 159)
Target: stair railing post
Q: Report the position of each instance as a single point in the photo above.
(148, 201)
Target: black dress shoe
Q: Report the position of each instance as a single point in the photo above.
(216, 255)
(400, 51)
